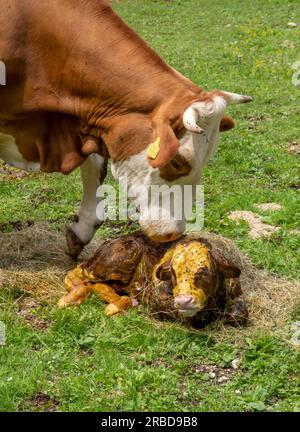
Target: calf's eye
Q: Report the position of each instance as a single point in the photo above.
(203, 277)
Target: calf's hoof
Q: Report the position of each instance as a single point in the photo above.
(74, 244)
(114, 308)
(70, 300)
(63, 302)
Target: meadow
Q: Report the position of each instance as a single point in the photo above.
(79, 360)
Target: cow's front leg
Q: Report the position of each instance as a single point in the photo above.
(108, 294)
(80, 232)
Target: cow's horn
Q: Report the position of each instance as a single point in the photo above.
(190, 121)
(234, 98)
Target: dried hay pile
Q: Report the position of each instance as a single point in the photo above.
(34, 260)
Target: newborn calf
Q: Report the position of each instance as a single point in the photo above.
(187, 274)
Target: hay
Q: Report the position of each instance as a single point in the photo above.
(34, 260)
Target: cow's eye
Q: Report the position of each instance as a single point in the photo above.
(179, 132)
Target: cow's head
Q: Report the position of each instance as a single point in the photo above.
(169, 147)
(194, 273)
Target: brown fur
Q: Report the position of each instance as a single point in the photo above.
(226, 124)
(175, 169)
(126, 265)
(73, 68)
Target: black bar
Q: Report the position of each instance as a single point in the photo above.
(125, 421)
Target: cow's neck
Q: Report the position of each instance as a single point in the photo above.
(120, 68)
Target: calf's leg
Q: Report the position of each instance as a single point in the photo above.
(108, 294)
(80, 232)
(76, 296)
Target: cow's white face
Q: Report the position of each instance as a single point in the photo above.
(158, 219)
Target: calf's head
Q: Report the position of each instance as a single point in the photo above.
(168, 147)
(194, 274)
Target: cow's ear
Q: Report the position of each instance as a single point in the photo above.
(164, 147)
(226, 124)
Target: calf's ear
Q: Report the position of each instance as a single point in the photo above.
(226, 124)
(164, 147)
(226, 266)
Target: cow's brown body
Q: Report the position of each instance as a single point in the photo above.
(75, 70)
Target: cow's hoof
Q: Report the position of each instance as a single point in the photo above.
(74, 244)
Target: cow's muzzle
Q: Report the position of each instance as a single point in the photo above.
(163, 231)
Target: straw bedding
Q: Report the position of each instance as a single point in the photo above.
(34, 260)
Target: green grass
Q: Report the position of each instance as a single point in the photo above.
(87, 362)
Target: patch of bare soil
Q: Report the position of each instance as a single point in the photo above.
(269, 206)
(8, 173)
(295, 186)
(294, 148)
(43, 403)
(156, 363)
(27, 310)
(255, 120)
(258, 228)
(14, 226)
(215, 373)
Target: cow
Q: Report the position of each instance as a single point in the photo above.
(81, 88)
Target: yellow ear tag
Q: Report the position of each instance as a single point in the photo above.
(153, 149)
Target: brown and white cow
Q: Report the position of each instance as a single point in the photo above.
(82, 87)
